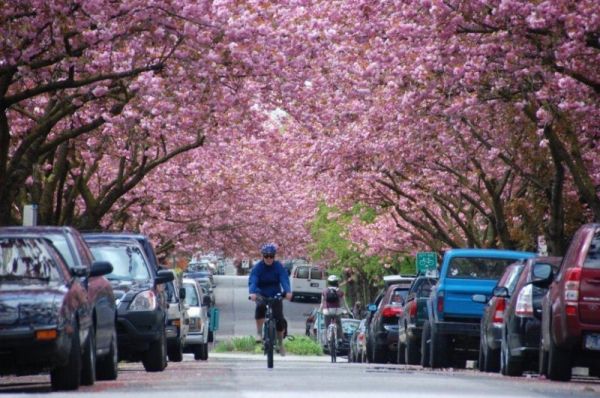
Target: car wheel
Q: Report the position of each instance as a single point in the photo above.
(509, 365)
(175, 352)
(413, 353)
(204, 352)
(438, 350)
(491, 359)
(198, 352)
(67, 377)
(425, 337)
(107, 366)
(88, 364)
(480, 357)
(211, 336)
(155, 359)
(401, 354)
(379, 354)
(559, 363)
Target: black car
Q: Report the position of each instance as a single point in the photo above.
(492, 321)
(75, 252)
(382, 323)
(521, 334)
(411, 320)
(141, 314)
(45, 315)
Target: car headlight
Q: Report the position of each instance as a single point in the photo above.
(144, 301)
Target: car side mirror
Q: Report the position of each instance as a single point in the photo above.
(372, 307)
(164, 277)
(479, 298)
(206, 300)
(80, 270)
(101, 268)
(543, 275)
(500, 291)
(182, 293)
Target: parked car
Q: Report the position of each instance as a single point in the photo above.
(178, 320)
(103, 338)
(141, 313)
(492, 320)
(382, 324)
(198, 303)
(410, 322)
(197, 270)
(307, 282)
(358, 343)
(520, 337)
(454, 319)
(571, 309)
(349, 325)
(45, 315)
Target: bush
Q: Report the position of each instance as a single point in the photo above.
(302, 345)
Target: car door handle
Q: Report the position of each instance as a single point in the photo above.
(594, 281)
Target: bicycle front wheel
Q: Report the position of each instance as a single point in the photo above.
(270, 342)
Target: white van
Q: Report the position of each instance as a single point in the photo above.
(308, 281)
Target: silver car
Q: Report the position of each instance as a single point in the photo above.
(198, 304)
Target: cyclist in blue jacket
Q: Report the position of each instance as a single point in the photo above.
(269, 278)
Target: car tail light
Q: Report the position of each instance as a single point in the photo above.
(391, 311)
(524, 305)
(45, 335)
(498, 318)
(412, 309)
(176, 322)
(440, 303)
(573, 276)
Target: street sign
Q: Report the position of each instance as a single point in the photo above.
(426, 261)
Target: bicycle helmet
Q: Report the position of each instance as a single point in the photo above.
(268, 248)
(333, 280)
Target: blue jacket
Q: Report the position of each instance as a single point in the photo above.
(269, 280)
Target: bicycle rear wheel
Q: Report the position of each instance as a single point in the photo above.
(333, 344)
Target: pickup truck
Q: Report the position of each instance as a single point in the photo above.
(452, 329)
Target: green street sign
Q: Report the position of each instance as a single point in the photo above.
(426, 261)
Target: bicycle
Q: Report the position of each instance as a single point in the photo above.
(269, 330)
(332, 338)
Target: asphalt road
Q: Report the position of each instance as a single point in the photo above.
(247, 376)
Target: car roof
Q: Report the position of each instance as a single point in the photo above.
(114, 235)
(36, 229)
(494, 253)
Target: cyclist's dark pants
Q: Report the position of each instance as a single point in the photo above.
(338, 320)
(261, 310)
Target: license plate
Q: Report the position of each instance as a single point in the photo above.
(314, 285)
(592, 342)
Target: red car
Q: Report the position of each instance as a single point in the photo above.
(571, 309)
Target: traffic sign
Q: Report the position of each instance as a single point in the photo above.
(426, 261)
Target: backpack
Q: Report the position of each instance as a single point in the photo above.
(331, 296)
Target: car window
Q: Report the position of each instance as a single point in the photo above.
(592, 260)
(477, 267)
(128, 262)
(316, 273)
(61, 244)
(349, 325)
(302, 273)
(398, 296)
(27, 259)
(191, 295)
(512, 276)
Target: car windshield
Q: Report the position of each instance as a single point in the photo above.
(191, 295)
(478, 267)
(26, 258)
(128, 261)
